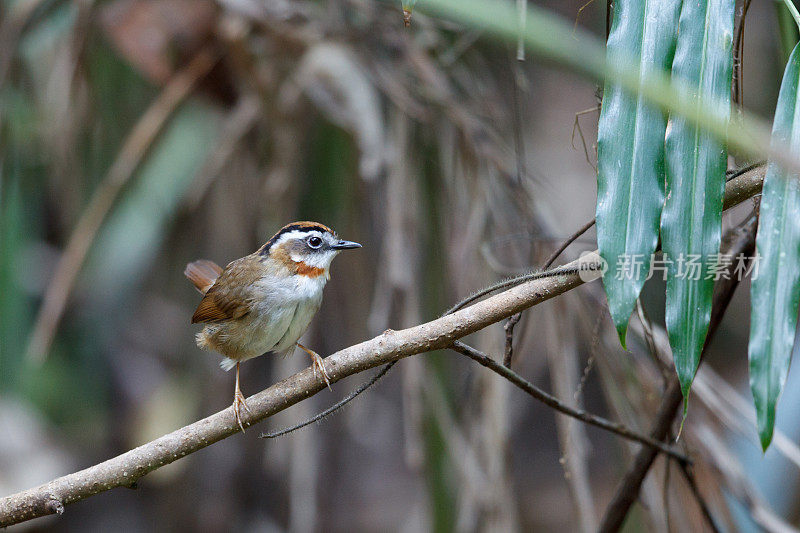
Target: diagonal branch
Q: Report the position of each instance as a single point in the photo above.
(551, 401)
(124, 470)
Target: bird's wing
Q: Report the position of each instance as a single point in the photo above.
(230, 297)
(202, 273)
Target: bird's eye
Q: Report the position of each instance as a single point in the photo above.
(314, 242)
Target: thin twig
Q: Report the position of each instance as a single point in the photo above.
(701, 501)
(558, 405)
(128, 160)
(572, 238)
(652, 348)
(576, 396)
(576, 126)
(511, 282)
(737, 87)
(319, 416)
(509, 329)
(519, 137)
(519, 151)
(578, 14)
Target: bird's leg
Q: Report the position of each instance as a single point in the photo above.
(319, 362)
(239, 402)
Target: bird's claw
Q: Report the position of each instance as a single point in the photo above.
(320, 363)
(238, 403)
(317, 362)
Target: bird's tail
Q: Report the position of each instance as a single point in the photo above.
(202, 273)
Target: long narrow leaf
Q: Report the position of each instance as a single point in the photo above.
(776, 287)
(696, 162)
(630, 150)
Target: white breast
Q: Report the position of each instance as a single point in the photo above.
(287, 309)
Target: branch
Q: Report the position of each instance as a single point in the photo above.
(558, 405)
(124, 470)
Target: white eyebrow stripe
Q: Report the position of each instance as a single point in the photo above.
(297, 234)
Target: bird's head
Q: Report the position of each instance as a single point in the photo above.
(305, 248)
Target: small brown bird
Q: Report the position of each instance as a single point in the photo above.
(263, 302)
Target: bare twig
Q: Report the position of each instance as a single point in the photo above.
(563, 361)
(566, 270)
(737, 86)
(509, 329)
(667, 468)
(319, 416)
(572, 238)
(576, 126)
(578, 14)
(124, 470)
(686, 470)
(558, 405)
(740, 239)
(652, 348)
(128, 160)
(519, 137)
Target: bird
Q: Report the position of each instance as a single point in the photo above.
(263, 302)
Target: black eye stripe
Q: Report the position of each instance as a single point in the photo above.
(299, 226)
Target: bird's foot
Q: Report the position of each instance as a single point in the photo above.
(238, 403)
(318, 363)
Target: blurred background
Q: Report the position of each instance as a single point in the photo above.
(139, 135)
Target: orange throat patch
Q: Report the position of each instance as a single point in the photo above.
(308, 271)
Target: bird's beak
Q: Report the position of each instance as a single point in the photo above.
(345, 245)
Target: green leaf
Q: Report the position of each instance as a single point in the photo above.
(787, 30)
(776, 287)
(696, 162)
(630, 152)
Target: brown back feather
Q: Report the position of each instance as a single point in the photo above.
(230, 296)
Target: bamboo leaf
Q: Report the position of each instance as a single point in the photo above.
(696, 164)
(776, 286)
(630, 149)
